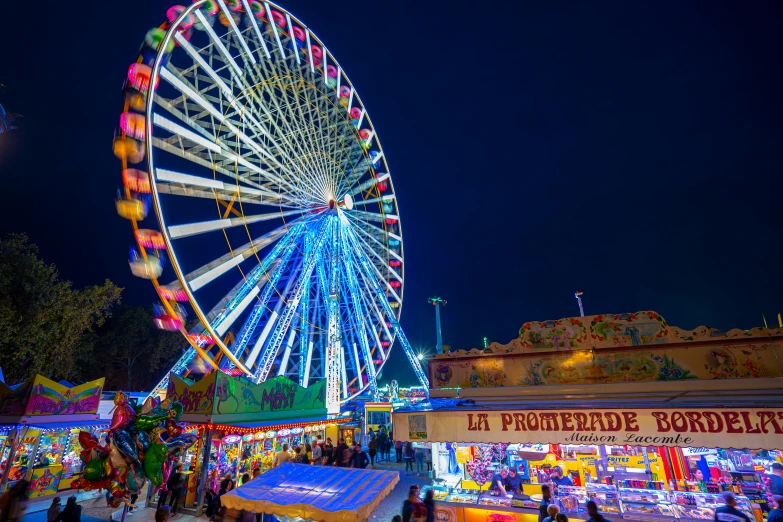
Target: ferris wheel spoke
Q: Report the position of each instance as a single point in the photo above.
(202, 227)
(353, 289)
(256, 29)
(229, 94)
(252, 322)
(380, 296)
(308, 264)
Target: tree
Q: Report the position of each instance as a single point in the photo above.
(44, 321)
(130, 351)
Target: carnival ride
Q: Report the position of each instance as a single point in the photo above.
(272, 195)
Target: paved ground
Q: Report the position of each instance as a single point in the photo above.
(95, 510)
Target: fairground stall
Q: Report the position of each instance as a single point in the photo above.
(649, 421)
(242, 425)
(40, 423)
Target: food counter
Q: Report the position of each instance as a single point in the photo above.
(646, 505)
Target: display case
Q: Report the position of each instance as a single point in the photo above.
(646, 504)
(490, 499)
(605, 497)
(572, 499)
(463, 496)
(693, 505)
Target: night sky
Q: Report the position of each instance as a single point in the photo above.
(631, 150)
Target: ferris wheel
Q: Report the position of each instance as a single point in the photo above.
(247, 145)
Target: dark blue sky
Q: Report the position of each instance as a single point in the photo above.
(631, 150)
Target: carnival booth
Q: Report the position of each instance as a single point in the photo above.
(649, 421)
(321, 493)
(40, 425)
(242, 425)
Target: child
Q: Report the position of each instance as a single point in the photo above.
(54, 510)
(552, 510)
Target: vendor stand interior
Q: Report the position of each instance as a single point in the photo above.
(647, 420)
(39, 430)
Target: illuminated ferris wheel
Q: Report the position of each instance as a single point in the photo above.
(250, 149)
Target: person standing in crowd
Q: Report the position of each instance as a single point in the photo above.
(256, 473)
(776, 479)
(429, 503)
(339, 453)
(328, 457)
(398, 451)
(396, 518)
(546, 499)
(54, 510)
(359, 458)
(380, 440)
(387, 446)
(175, 484)
(71, 513)
(419, 457)
(297, 455)
(282, 456)
(308, 451)
(513, 481)
(776, 514)
(317, 454)
(372, 448)
(561, 517)
(428, 458)
(729, 512)
(245, 478)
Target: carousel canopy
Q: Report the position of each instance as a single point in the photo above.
(321, 493)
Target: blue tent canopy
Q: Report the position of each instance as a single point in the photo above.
(320, 493)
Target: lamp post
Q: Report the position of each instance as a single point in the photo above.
(578, 296)
(436, 302)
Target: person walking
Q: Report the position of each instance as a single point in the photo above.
(407, 454)
(359, 458)
(412, 507)
(419, 456)
(13, 501)
(175, 484)
(54, 510)
(71, 513)
(372, 449)
(398, 451)
(429, 503)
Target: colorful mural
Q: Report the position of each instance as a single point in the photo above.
(277, 397)
(219, 394)
(612, 348)
(45, 481)
(196, 398)
(50, 398)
